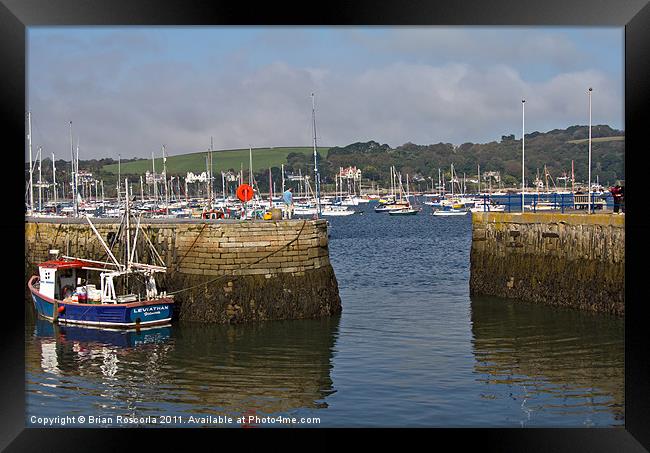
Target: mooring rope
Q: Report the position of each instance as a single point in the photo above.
(304, 222)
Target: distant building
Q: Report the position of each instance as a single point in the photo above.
(149, 177)
(350, 173)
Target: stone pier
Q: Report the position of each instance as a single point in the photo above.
(567, 260)
(226, 271)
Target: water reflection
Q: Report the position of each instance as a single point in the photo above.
(265, 368)
(271, 367)
(566, 361)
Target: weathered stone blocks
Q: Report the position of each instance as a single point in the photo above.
(289, 255)
(569, 260)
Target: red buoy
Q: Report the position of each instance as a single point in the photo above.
(245, 192)
(61, 309)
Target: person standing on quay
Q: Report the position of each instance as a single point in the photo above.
(287, 197)
(617, 194)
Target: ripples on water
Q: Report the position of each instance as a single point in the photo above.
(411, 348)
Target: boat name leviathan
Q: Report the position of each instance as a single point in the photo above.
(148, 311)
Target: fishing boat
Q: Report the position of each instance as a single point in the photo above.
(65, 291)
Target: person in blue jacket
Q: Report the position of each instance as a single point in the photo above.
(287, 197)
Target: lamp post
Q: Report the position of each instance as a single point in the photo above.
(523, 172)
(589, 173)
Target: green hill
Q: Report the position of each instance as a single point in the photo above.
(599, 139)
(263, 158)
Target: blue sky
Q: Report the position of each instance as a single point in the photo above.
(130, 89)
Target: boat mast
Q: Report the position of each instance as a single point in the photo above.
(407, 190)
(210, 174)
(72, 175)
(316, 174)
(250, 166)
(165, 178)
(54, 180)
(589, 177)
(270, 189)
(119, 178)
(76, 169)
(452, 179)
(223, 187)
(31, 169)
(153, 169)
(573, 190)
(40, 187)
(523, 129)
(478, 169)
(127, 214)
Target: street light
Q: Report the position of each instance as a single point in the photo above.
(589, 182)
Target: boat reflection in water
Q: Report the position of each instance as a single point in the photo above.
(105, 337)
(272, 368)
(550, 360)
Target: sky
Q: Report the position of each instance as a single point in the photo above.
(129, 90)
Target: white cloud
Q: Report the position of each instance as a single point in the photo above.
(121, 106)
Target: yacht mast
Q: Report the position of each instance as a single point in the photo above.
(153, 169)
(316, 174)
(250, 165)
(40, 179)
(72, 175)
(127, 214)
(31, 169)
(165, 179)
(119, 178)
(54, 180)
(452, 179)
(523, 168)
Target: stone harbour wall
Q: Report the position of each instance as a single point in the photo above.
(567, 260)
(226, 271)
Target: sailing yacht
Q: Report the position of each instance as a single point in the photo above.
(408, 209)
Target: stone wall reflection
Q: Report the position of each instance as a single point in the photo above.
(580, 354)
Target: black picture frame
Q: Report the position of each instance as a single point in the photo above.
(634, 15)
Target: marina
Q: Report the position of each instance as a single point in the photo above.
(187, 265)
(417, 341)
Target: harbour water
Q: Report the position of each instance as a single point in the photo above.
(410, 349)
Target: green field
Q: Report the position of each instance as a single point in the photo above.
(600, 139)
(223, 160)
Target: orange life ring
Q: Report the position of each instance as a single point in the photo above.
(245, 192)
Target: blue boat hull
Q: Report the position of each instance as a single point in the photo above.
(129, 315)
